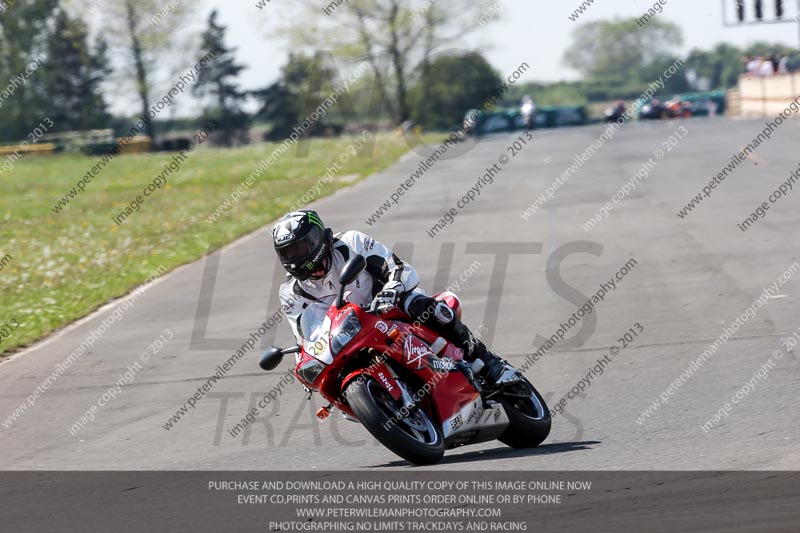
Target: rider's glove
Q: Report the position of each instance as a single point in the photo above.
(387, 298)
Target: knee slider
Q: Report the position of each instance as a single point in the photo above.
(444, 315)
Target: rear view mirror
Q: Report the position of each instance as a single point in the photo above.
(271, 358)
(351, 270)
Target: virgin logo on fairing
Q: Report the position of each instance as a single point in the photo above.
(416, 352)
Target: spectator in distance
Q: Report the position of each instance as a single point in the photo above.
(765, 69)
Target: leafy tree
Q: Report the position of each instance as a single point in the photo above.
(720, 67)
(302, 86)
(23, 30)
(551, 94)
(394, 36)
(141, 34)
(74, 75)
(654, 71)
(618, 55)
(453, 85)
(767, 49)
(218, 82)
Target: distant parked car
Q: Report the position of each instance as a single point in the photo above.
(704, 108)
(560, 116)
(501, 120)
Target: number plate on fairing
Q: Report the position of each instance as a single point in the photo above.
(488, 422)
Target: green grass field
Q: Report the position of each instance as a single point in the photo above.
(56, 268)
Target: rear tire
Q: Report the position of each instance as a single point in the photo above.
(529, 419)
(379, 413)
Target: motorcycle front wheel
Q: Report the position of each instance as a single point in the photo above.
(412, 436)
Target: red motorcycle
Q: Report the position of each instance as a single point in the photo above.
(409, 387)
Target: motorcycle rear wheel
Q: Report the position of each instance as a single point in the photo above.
(414, 437)
(529, 418)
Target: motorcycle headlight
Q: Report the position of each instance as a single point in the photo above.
(310, 371)
(344, 333)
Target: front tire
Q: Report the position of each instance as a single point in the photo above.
(529, 418)
(414, 437)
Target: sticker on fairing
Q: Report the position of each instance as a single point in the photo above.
(416, 352)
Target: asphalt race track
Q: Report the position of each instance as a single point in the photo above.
(691, 279)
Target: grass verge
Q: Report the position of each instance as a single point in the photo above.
(56, 268)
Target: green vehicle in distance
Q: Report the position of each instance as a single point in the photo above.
(514, 119)
(497, 121)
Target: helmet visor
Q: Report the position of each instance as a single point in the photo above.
(303, 250)
(296, 253)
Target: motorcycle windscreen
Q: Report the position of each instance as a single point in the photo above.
(315, 328)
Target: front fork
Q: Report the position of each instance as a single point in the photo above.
(389, 378)
(408, 401)
(383, 374)
(386, 376)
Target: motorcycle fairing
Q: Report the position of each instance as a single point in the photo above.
(475, 423)
(382, 374)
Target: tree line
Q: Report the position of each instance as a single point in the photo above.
(414, 70)
(82, 68)
(135, 44)
(618, 59)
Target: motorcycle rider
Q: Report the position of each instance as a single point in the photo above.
(529, 109)
(313, 257)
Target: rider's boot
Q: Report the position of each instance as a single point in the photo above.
(474, 348)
